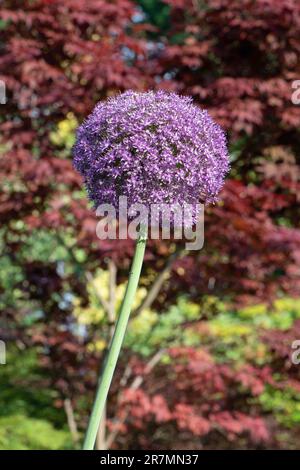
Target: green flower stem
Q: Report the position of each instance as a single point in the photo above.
(116, 342)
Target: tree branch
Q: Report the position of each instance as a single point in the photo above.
(158, 282)
(71, 419)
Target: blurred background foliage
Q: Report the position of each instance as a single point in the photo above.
(207, 357)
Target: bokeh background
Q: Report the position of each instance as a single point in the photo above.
(207, 357)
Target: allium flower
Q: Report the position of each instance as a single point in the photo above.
(153, 147)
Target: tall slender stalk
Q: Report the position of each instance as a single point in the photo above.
(117, 340)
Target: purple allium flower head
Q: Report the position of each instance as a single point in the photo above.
(153, 147)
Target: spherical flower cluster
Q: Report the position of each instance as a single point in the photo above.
(153, 148)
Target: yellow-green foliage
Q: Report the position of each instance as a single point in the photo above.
(253, 311)
(64, 134)
(150, 330)
(284, 404)
(19, 432)
(281, 315)
(28, 417)
(94, 313)
(226, 327)
(234, 334)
